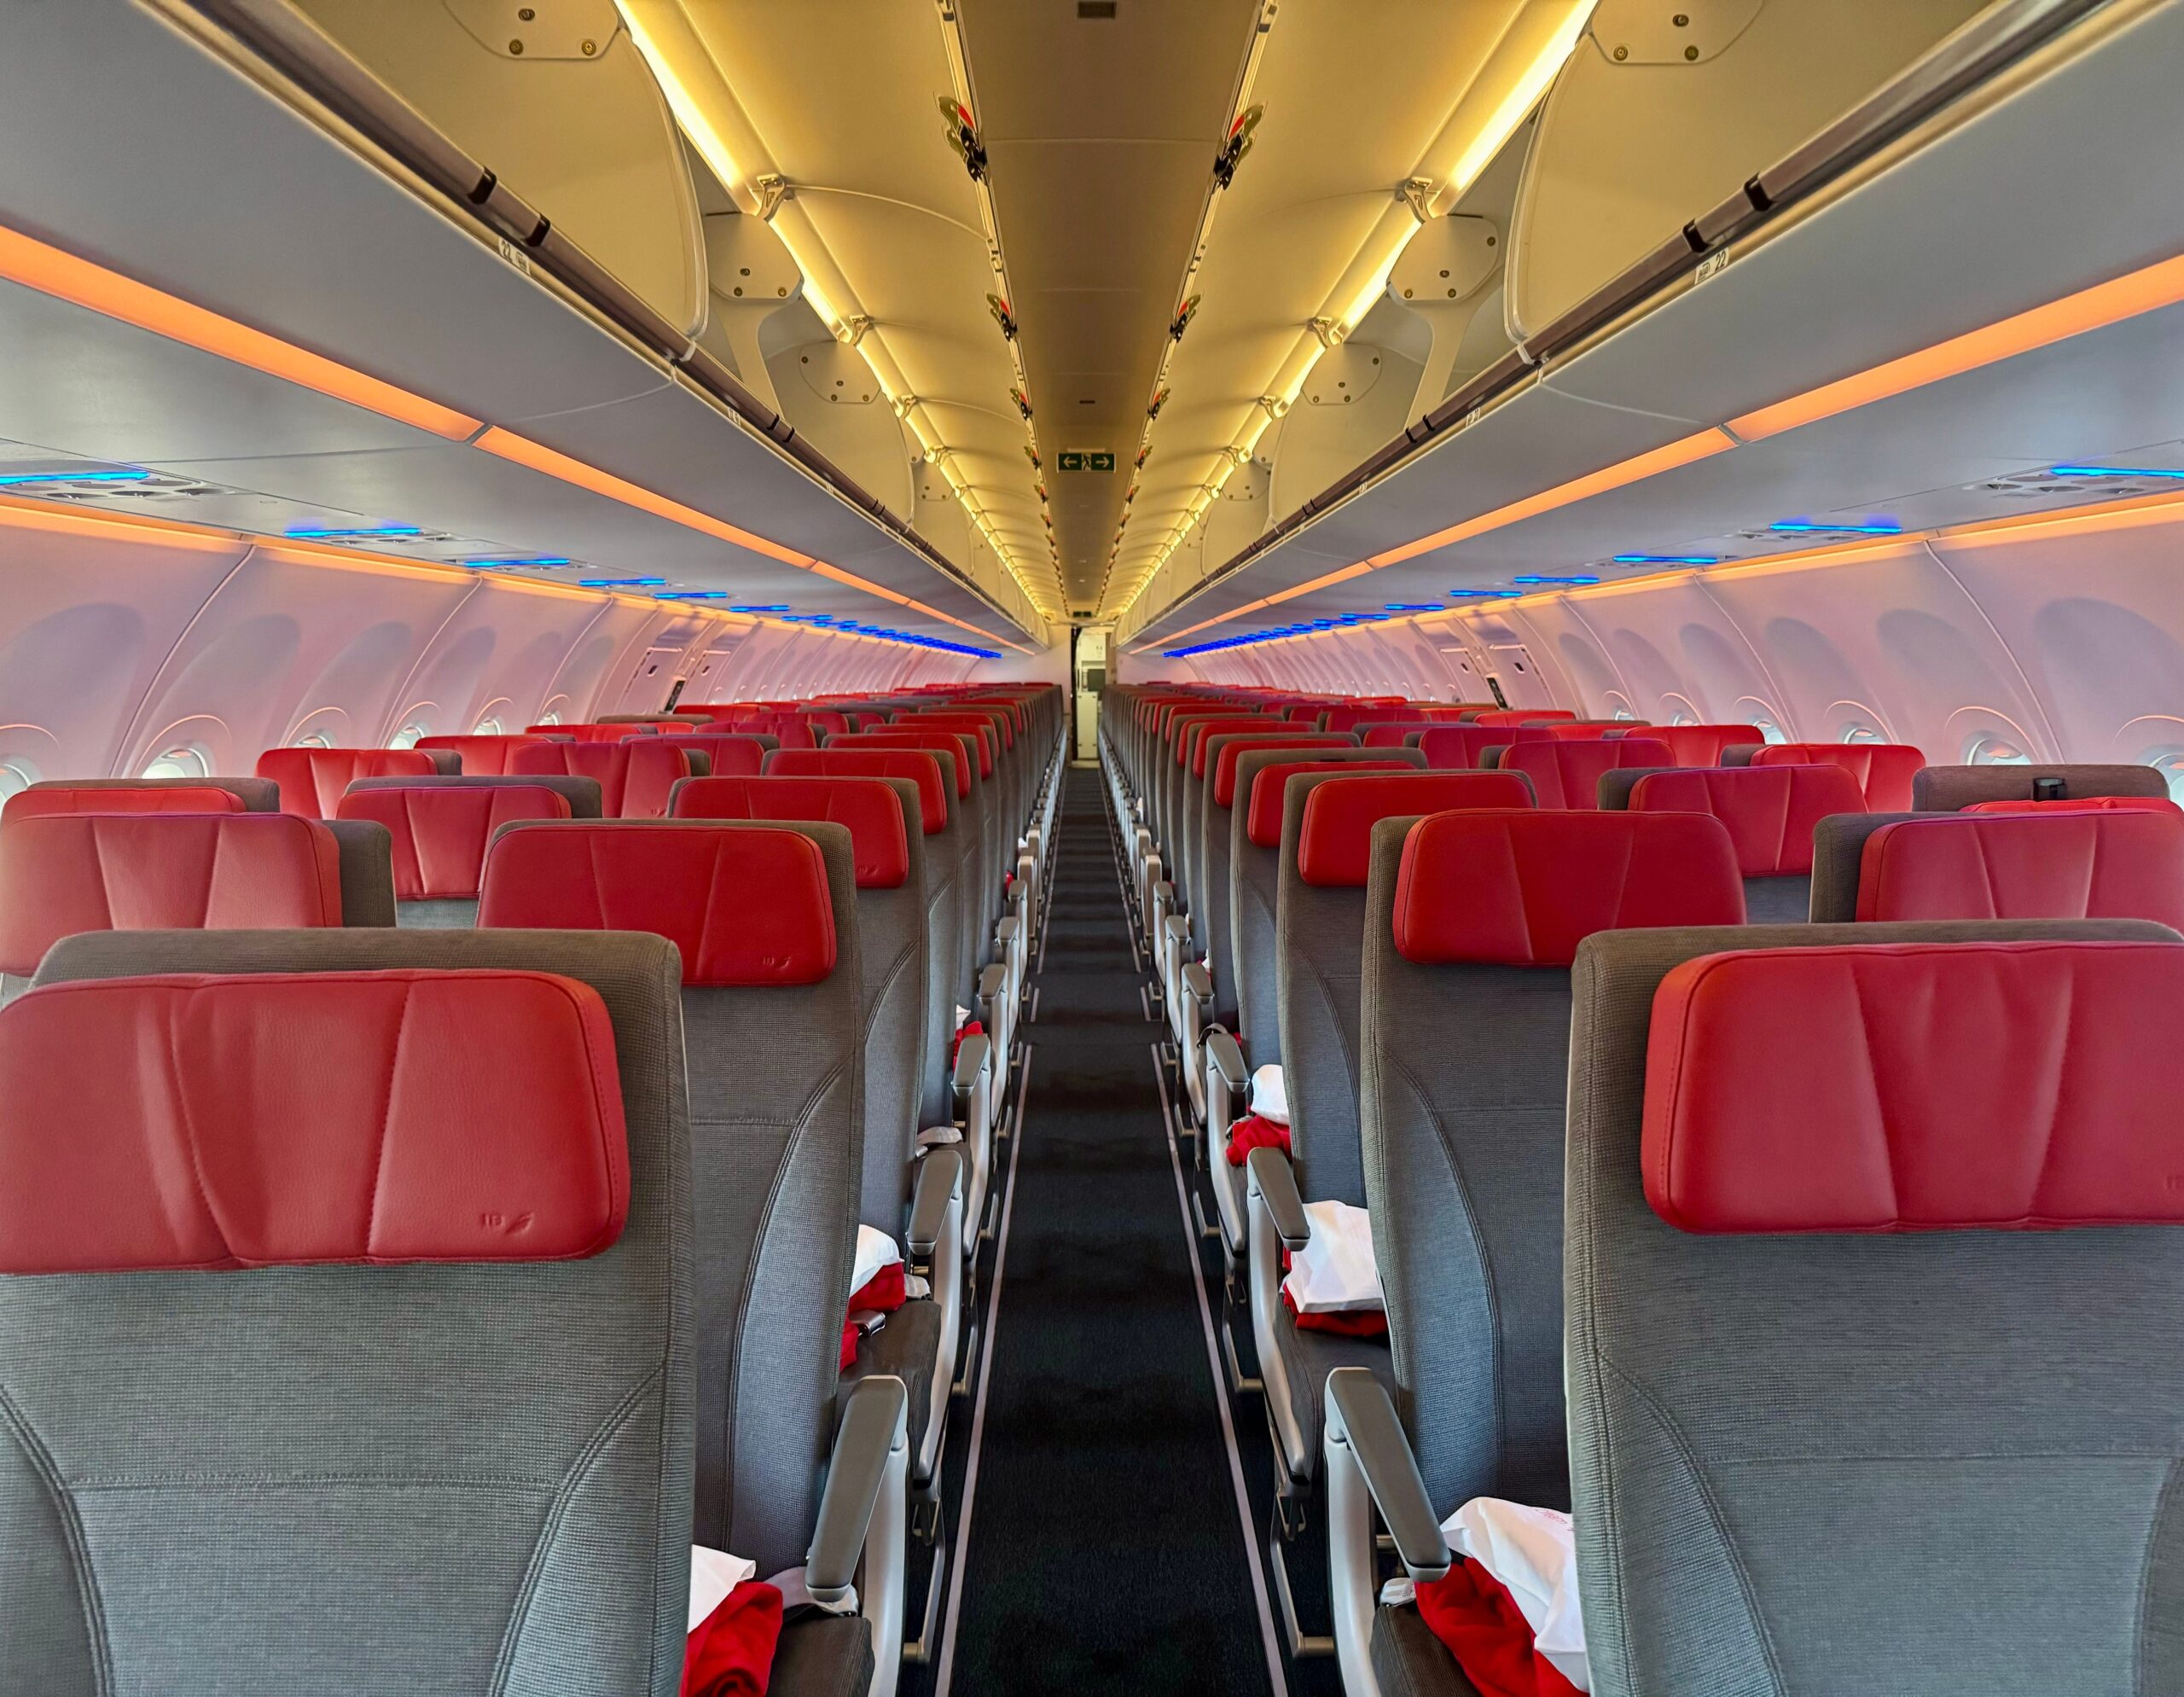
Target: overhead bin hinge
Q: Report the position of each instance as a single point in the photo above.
(771, 188)
(1239, 143)
(1417, 193)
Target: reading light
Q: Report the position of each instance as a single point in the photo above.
(539, 560)
(1554, 580)
(1809, 528)
(1414, 606)
(618, 583)
(1668, 559)
(771, 607)
(331, 533)
(2052, 471)
(1497, 594)
(692, 595)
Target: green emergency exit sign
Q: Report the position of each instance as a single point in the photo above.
(1071, 462)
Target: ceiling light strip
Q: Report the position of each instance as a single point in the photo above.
(63, 276)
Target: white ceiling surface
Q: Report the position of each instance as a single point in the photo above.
(1102, 134)
(843, 99)
(267, 218)
(2028, 200)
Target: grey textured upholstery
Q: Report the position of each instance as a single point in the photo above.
(407, 1478)
(1210, 831)
(1254, 892)
(1919, 1464)
(908, 1348)
(1409, 1661)
(367, 871)
(1945, 790)
(1617, 782)
(257, 795)
(823, 1657)
(1786, 900)
(777, 1143)
(1839, 845)
(1461, 1119)
(441, 913)
(899, 1052)
(582, 795)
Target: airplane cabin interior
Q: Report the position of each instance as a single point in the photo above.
(1558, 624)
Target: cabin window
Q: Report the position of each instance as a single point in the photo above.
(548, 718)
(1855, 732)
(1771, 730)
(185, 760)
(1680, 717)
(2169, 763)
(1622, 713)
(1995, 750)
(487, 728)
(407, 737)
(313, 739)
(16, 775)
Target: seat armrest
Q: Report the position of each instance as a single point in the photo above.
(993, 979)
(1360, 1414)
(875, 1427)
(1179, 929)
(1225, 1056)
(1274, 1182)
(939, 1181)
(1163, 890)
(1198, 985)
(1005, 932)
(973, 1057)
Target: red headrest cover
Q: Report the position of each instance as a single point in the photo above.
(732, 755)
(635, 775)
(1232, 753)
(1915, 1087)
(976, 725)
(1508, 717)
(1334, 847)
(1704, 744)
(1524, 889)
(832, 722)
(1194, 739)
(1262, 814)
(879, 846)
(203, 1122)
(1455, 747)
(746, 907)
(440, 832)
(61, 874)
(34, 803)
(1884, 769)
(482, 757)
(591, 733)
(1568, 773)
(2058, 865)
(1769, 811)
(1391, 733)
(2091, 804)
(933, 742)
(835, 761)
(312, 780)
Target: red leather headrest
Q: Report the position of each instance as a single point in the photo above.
(1455, 747)
(312, 780)
(1916, 1087)
(878, 846)
(2058, 865)
(1884, 769)
(975, 724)
(1704, 744)
(1334, 845)
(1232, 753)
(2091, 804)
(1567, 775)
(832, 722)
(835, 761)
(746, 907)
(1505, 717)
(61, 874)
(722, 713)
(1345, 716)
(784, 729)
(1769, 811)
(1263, 813)
(1000, 723)
(1392, 733)
(482, 757)
(933, 742)
(440, 832)
(196, 1122)
(1194, 739)
(38, 803)
(733, 755)
(590, 733)
(635, 775)
(1524, 889)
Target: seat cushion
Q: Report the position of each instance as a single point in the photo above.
(905, 1347)
(1309, 1357)
(1409, 1661)
(825, 1657)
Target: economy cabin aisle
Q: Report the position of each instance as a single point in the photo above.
(1103, 1547)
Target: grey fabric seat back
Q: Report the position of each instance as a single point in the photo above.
(257, 795)
(1948, 789)
(1255, 891)
(1465, 1063)
(896, 1003)
(1209, 917)
(450, 1477)
(1921, 1462)
(1839, 845)
(776, 1140)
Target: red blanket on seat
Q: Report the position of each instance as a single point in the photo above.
(1472, 1613)
(730, 1653)
(1255, 1131)
(884, 1291)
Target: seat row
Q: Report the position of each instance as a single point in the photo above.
(1406, 967)
(470, 1158)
